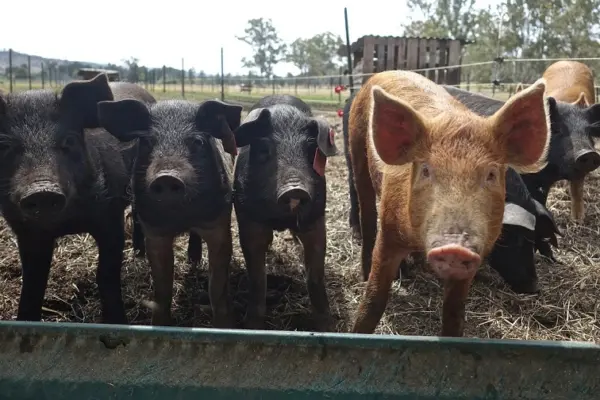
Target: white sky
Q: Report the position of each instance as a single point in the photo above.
(162, 32)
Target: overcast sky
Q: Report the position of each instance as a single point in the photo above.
(165, 32)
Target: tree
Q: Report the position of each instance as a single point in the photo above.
(298, 55)
(322, 50)
(268, 48)
(191, 75)
(133, 74)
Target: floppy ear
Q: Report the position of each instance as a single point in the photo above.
(124, 119)
(522, 126)
(257, 124)
(78, 101)
(581, 101)
(545, 222)
(325, 136)
(395, 127)
(220, 119)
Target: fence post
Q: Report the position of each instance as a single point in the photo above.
(273, 82)
(29, 70)
(10, 70)
(222, 77)
(43, 76)
(182, 79)
(164, 78)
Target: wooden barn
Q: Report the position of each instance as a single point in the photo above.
(89, 73)
(372, 54)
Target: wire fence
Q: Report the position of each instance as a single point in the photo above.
(497, 78)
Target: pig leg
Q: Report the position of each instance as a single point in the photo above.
(255, 239)
(387, 255)
(137, 239)
(111, 243)
(36, 257)
(577, 205)
(368, 217)
(453, 314)
(194, 250)
(219, 243)
(159, 250)
(314, 243)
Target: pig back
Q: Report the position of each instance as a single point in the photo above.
(565, 80)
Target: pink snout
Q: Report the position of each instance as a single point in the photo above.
(453, 262)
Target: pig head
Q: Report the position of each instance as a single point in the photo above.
(280, 174)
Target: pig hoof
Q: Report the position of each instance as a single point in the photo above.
(323, 323)
(223, 322)
(525, 288)
(254, 324)
(356, 233)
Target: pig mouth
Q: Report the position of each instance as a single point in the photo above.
(453, 261)
(43, 201)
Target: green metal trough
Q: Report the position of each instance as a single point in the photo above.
(73, 361)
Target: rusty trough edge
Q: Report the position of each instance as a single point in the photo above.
(110, 358)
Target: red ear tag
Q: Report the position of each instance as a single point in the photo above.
(319, 162)
(331, 136)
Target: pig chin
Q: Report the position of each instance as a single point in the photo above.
(453, 256)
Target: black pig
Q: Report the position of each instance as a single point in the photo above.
(57, 180)
(181, 182)
(571, 155)
(527, 225)
(280, 184)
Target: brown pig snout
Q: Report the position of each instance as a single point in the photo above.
(42, 200)
(453, 261)
(293, 197)
(167, 186)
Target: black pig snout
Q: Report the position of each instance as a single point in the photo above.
(42, 200)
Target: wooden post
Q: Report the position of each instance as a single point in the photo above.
(441, 73)
(182, 79)
(412, 56)
(43, 73)
(381, 43)
(368, 50)
(433, 58)
(29, 70)
(222, 77)
(164, 78)
(349, 53)
(10, 70)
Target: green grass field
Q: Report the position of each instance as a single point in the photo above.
(322, 98)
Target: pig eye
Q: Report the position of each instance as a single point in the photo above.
(69, 143)
(6, 145)
(262, 152)
(425, 171)
(492, 176)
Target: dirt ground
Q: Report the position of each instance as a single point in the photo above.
(566, 308)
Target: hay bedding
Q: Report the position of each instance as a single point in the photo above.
(566, 309)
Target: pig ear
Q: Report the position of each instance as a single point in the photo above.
(522, 126)
(257, 124)
(395, 128)
(220, 119)
(2, 105)
(592, 114)
(79, 99)
(581, 101)
(545, 220)
(325, 136)
(124, 119)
